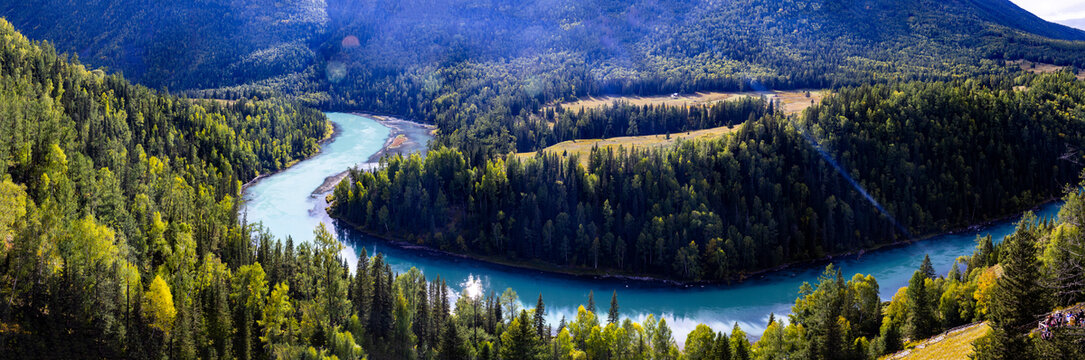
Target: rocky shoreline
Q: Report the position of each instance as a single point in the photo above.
(405, 137)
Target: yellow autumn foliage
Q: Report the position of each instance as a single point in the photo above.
(158, 305)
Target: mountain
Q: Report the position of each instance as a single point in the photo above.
(177, 44)
(120, 235)
(1008, 14)
(190, 44)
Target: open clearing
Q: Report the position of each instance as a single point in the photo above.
(953, 344)
(793, 101)
(1042, 68)
(583, 147)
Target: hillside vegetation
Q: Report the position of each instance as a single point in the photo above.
(924, 157)
(483, 70)
(111, 194)
(583, 148)
(119, 233)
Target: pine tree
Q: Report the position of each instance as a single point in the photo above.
(1017, 296)
(954, 272)
(519, 340)
(421, 320)
(436, 323)
(984, 255)
(453, 344)
(363, 288)
(498, 313)
(920, 319)
(381, 317)
(723, 346)
(485, 351)
(740, 346)
(926, 268)
(540, 321)
(612, 315)
(591, 301)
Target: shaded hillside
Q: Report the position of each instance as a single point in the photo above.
(177, 44)
(202, 44)
(483, 71)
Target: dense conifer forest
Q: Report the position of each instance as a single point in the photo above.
(120, 235)
(936, 156)
(483, 70)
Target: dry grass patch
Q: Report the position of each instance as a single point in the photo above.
(583, 147)
(398, 141)
(792, 101)
(223, 102)
(953, 344)
(1042, 68)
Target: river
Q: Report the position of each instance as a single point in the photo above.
(283, 203)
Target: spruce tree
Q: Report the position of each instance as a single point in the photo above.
(381, 317)
(591, 301)
(1017, 296)
(363, 287)
(740, 346)
(519, 341)
(920, 318)
(954, 272)
(612, 315)
(421, 323)
(723, 346)
(540, 322)
(926, 268)
(453, 344)
(984, 255)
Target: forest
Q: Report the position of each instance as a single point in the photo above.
(122, 168)
(931, 157)
(483, 70)
(112, 254)
(112, 193)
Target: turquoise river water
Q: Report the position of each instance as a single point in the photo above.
(284, 204)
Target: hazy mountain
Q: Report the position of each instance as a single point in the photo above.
(211, 43)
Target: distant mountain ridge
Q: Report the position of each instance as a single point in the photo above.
(194, 44)
(1006, 13)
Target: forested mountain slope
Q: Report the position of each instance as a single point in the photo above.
(483, 70)
(177, 44)
(201, 44)
(109, 191)
(119, 235)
